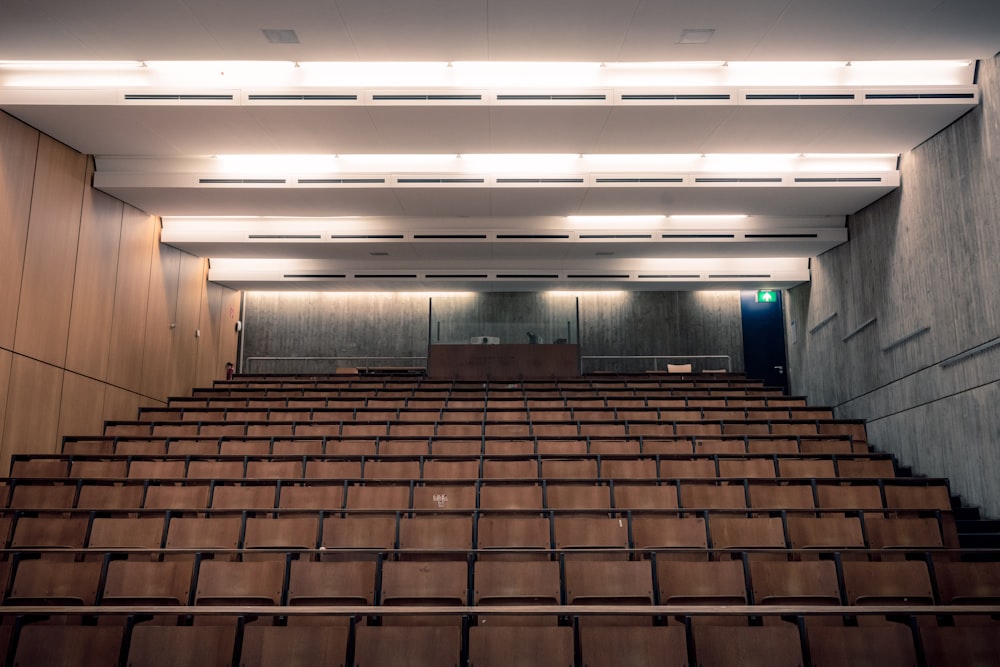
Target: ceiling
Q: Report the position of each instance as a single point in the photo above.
(477, 145)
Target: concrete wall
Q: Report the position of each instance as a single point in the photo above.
(924, 262)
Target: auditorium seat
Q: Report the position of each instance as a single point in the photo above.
(131, 582)
(191, 534)
(505, 536)
(111, 533)
(177, 498)
(609, 583)
(445, 496)
(445, 537)
(967, 646)
(516, 582)
(168, 646)
(277, 535)
(633, 646)
(265, 646)
(909, 533)
(769, 646)
(665, 533)
(425, 646)
(538, 646)
(640, 495)
(66, 644)
(579, 496)
(378, 496)
(824, 533)
(353, 537)
(426, 584)
(222, 582)
(43, 496)
(892, 583)
(606, 538)
(728, 532)
(49, 582)
(869, 646)
(50, 532)
(110, 496)
(722, 495)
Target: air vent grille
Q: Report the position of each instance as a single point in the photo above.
(581, 97)
(698, 236)
(528, 275)
(844, 179)
(241, 181)
(800, 96)
(601, 276)
(747, 179)
(315, 275)
(385, 275)
(664, 276)
(616, 236)
(285, 236)
(539, 180)
(638, 180)
(341, 181)
(366, 236)
(671, 96)
(532, 236)
(303, 98)
(417, 181)
(426, 98)
(457, 275)
(920, 96)
(154, 97)
(740, 275)
(449, 236)
(782, 236)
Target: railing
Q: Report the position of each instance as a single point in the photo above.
(656, 360)
(321, 365)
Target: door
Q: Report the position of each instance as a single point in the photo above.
(764, 339)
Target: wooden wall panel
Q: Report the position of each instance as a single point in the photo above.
(120, 404)
(6, 359)
(158, 349)
(191, 279)
(94, 287)
(218, 332)
(82, 406)
(50, 254)
(18, 149)
(228, 317)
(33, 401)
(128, 324)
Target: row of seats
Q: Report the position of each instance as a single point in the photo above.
(592, 467)
(260, 645)
(463, 532)
(148, 493)
(280, 580)
(385, 446)
(534, 401)
(348, 429)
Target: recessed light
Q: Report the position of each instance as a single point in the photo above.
(280, 35)
(696, 35)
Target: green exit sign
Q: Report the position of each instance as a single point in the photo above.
(767, 296)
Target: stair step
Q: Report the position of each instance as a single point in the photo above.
(979, 540)
(979, 527)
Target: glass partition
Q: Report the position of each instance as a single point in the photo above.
(504, 318)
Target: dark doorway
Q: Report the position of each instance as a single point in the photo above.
(764, 339)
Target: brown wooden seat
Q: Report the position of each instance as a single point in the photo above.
(450, 536)
(703, 468)
(148, 583)
(903, 533)
(65, 645)
(925, 497)
(819, 468)
(967, 646)
(870, 646)
(866, 468)
(222, 582)
(879, 583)
(43, 496)
(276, 469)
(531, 582)
(580, 496)
(608, 583)
(787, 495)
(240, 496)
(378, 497)
(424, 583)
(494, 646)
(353, 537)
(173, 497)
(849, 496)
(827, 533)
(109, 533)
(347, 582)
(444, 496)
(633, 646)
(663, 533)
(768, 646)
(264, 646)
(168, 646)
(708, 582)
(723, 495)
(194, 533)
(333, 469)
(513, 536)
(50, 532)
(435, 645)
(608, 536)
(110, 496)
(286, 532)
(48, 582)
(728, 532)
(639, 495)
(510, 468)
(510, 496)
(451, 469)
(812, 582)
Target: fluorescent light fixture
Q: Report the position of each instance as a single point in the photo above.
(616, 220)
(599, 292)
(715, 217)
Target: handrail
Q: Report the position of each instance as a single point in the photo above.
(501, 610)
(248, 360)
(657, 357)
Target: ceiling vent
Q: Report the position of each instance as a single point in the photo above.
(316, 97)
(781, 236)
(241, 181)
(284, 236)
(805, 97)
(392, 276)
(638, 179)
(456, 276)
(449, 237)
(438, 181)
(315, 276)
(436, 97)
(616, 236)
(598, 276)
(380, 237)
(535, 276)
(178, 97)
(510, 181)
(697, 236)
(675, 97)
(529, 237)
(739, 179)
(341, 181)
(838, 179)
(739, 275)
(670, 276)
(921, 96)
(565, 97)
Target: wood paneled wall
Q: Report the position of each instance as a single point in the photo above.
(923, 262)
(395, 326)
(87, 299)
